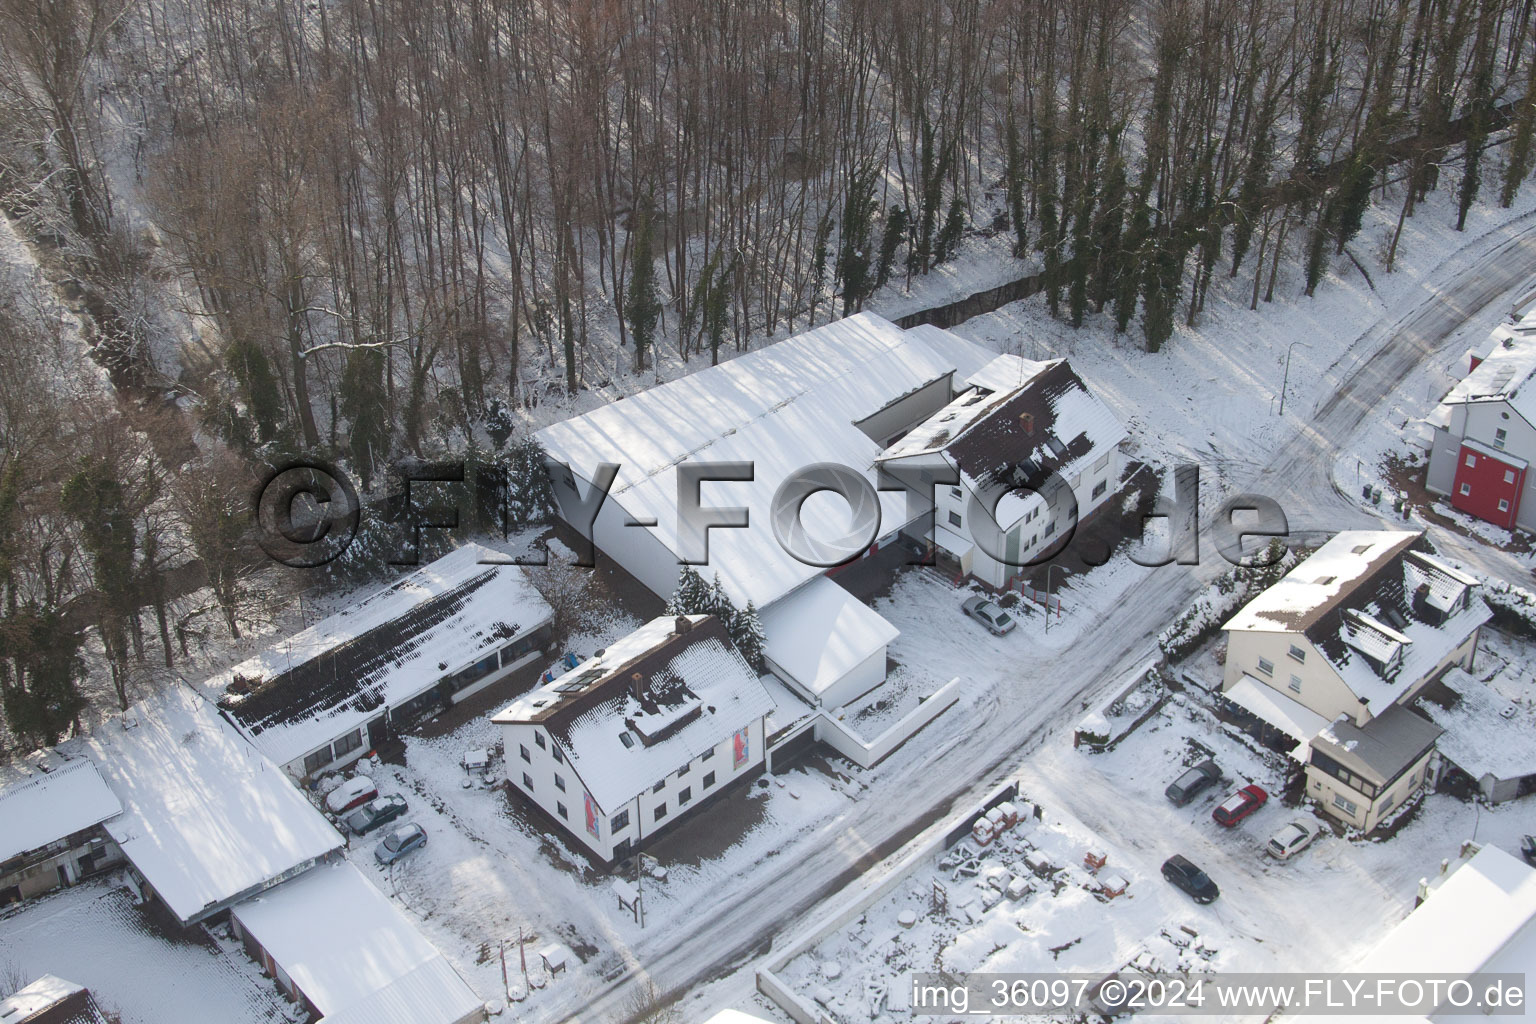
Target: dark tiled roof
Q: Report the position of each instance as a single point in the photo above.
(1020, 443)
(350, 674)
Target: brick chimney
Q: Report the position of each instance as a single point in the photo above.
(637, 685)
(684, 624)
(1027, 420)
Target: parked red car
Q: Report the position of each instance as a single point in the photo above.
(1239, 805)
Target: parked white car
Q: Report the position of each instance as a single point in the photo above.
(1296, 835)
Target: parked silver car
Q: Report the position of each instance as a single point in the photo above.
(997, 621)
(1292, 838)
(406, 839)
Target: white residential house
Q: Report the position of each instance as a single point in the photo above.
(1336, 652)
(838, 394)
(1482, 435)
(1036, 453)
(639, 736)
(327, 696)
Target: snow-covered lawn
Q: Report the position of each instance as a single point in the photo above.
(94, 936)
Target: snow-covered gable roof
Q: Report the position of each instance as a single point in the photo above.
(821, 632)
(39, 808)
(1504, 375)
(392, 645)
(1382, 615)
(51, 1000)
(783, 408)
(356, 956)
(1481, 919)
(1023, 422)
(1321, 581)
(695, 691)
(206, 818)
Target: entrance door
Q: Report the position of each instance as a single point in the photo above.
(378, 732)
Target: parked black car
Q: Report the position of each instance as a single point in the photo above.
(1178, 870)
(1192, 783)
(375, 813)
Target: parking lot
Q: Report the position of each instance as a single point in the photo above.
(1350, 892)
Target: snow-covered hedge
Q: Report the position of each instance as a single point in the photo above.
(1230, 591)
(1514, 608)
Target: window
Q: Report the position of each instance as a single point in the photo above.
(1503, 505)
(1345, 805)
(707, 754)
(954, 492)
(559, 757)
(559, 807)
(1103, 461)
(319, 759)
(1100, 487)
(684, 796)
(1499, 437)
(559, 783)
(1466, 489)
(1297, 654)
(682, 771)
(1471, 460)
(527, 782)
(538, 738)
(1509, 476)
(620, 822)
(661, 811)
(659, 786)
(522, 752)
(954, 519)
(1050, 528)
(1266, 666)
(350, 742)
(709, 779)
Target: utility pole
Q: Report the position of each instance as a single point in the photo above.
(1284, 383)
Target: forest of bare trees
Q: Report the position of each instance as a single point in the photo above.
(361, 229)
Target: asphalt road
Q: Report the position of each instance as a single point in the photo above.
(907, 794)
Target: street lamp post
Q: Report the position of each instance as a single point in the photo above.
(1286, 382)
(1048, 570)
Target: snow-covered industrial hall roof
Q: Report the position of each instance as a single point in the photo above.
(783, 408)
(392, 645)
(646, 706)
(356, 957)
(206, 818)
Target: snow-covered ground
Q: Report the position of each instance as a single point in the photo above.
(94, 936)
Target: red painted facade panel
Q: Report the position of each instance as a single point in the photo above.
(1480, 486)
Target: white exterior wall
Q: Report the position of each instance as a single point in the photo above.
(859, 680)
(1322, 690)
(1030, 536)
(635, 548)
(542, 768)
(1323, 787)
(1479, 421)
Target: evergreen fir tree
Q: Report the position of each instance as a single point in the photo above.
(363, 403)
(258, 387)
(746, 632)
(642, 308)
(718, 603)
(530, 494)
(692, 594)
(895, 232)
(952, 231)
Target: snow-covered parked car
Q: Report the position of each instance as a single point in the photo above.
(1293, 837)
(997, 621)
(355, 791)
(406, 839)
(376, 814)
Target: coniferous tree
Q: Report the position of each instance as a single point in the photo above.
(1519, 164)
(365, 405)
(530, 495)
(890, 240)
(951, 232)
(692, 594)
(641, 307)
(747, 636)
